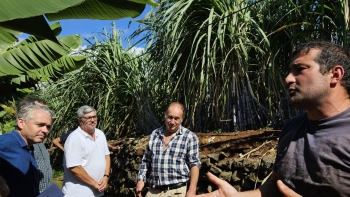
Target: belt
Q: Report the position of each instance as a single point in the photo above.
(172, 186)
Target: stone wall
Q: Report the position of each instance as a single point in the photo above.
(244, 172)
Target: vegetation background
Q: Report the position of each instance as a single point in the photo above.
(225, 60)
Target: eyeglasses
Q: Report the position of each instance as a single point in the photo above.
(90, 117)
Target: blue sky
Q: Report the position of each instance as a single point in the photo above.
(88, 28)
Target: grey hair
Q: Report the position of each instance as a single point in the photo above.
(29, 101)
(84, 110)
(27, 111)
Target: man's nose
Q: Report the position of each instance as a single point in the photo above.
(290, 78)
(45, 130)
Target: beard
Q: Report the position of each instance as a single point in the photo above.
(307, 99)
(297, 102)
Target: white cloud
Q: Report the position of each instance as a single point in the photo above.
(78, 50)
(137, 50)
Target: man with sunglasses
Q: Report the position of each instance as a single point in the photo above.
(87, 161)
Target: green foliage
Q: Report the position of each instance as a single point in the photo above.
(7, 126)
(29, 16)
(57, 173)
(202, 49)
(226, 59)
(7, 117)
(35, 60)
(113, 82)
(43, 56)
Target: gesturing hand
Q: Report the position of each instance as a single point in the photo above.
(286, 191)
(139, 187)
(224, 188)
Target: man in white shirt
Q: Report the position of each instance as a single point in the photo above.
(87, 161)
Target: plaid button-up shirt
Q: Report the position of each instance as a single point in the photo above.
(172, 164)
(42, 158)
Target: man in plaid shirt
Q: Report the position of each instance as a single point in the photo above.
(171, 158)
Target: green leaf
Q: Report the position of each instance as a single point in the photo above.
(56, 28)
(15, 9)
(39, 59)
(24, 90)
(36, 25)
(30, 56)
(2, 113)
(99, 9)
(62, 66)
(149, 2)
(18, 80)
(28, 16)
(7, 38)
(71, 42)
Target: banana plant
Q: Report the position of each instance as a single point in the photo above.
(39, 58)
(18, 16)
(24, 64)
(29, 16)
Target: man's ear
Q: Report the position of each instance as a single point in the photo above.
(337, 73)
(20, 123)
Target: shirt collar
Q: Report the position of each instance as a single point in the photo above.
(160, 131)
(86, 134)
(20, 140)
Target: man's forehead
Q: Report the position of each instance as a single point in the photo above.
(42, 122)
(173, 115)
(313, 52)
(39, 117)
(90, 113)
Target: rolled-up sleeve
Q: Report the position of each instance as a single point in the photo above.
(145, 165)
(193, 152)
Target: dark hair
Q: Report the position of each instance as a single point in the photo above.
(29, 100)
(330, 55)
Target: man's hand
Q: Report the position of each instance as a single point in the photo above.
(286, 191)
(139, 187)
(102, 185)
(116, 147)
(224, 188)
(191, 193)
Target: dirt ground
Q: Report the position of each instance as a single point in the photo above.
(252, 143)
